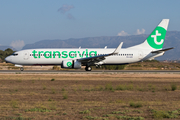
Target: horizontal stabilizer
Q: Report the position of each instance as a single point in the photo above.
(163, 50)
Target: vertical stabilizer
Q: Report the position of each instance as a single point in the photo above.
(156, 39)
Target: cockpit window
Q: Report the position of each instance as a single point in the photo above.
(15, 54)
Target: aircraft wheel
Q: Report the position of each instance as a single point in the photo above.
(88, 68)
(21, 68)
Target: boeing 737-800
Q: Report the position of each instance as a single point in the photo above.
(75, 58)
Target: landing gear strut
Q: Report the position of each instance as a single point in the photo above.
(98, 66)
(21, 68)
(88, 68)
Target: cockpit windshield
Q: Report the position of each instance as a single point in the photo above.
(15, 54)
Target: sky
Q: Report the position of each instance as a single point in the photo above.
(25, 22)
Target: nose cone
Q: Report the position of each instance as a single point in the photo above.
(8, 59)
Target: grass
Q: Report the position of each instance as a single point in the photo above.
(160, 114)
(125, 87)
(167, 88)
(65, 95)
(39, 101)
(18, 118)
(119, 101)
(120, 87)
(85, 112)
(38, 110)
(131, 87)
(108, 115)
(138, 111)
(64, 113)
(32, 81)
(151, 87)
(63, 89)
(80, 87)
(52, 79)
(109, 87)
(52, 105)
(14, 103)
(44, 87)
(19, 80)
(130, 118)
(53, 90)
(173, 87)
(118, 112)
(99, 88)
(93, 118)
(87, 90)
(135, 104)
(75, 89)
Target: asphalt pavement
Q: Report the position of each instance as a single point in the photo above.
(93, 71)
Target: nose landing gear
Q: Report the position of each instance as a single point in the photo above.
(21, 68)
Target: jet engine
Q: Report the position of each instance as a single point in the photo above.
(71, 64)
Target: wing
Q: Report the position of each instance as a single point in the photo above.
(92, 60)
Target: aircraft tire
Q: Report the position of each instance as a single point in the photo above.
(21, 68)
(88, 68)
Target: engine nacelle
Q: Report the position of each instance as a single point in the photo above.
(71, 64)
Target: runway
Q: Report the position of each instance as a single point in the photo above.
(87, 72)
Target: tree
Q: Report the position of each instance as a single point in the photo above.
(4, 54)
(9, 50)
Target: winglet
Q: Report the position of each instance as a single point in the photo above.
(118, 48)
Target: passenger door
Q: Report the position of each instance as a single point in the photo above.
(26, 55)
(140, 55)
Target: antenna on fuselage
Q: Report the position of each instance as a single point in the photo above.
(105, 47)
(79, 47)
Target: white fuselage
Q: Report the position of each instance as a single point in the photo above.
(56, 56)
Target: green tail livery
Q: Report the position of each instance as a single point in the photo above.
(156, 39)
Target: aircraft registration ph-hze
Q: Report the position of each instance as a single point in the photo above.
(75, 58)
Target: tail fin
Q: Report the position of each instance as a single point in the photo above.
(155, 40)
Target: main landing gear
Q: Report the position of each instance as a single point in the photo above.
(21, 68)
(98, 66)
(88, 68)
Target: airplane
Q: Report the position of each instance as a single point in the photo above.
(76, 58)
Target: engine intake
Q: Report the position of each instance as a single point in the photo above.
(71, 64)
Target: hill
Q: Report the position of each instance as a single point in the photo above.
(6, 47)
(172, 40)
